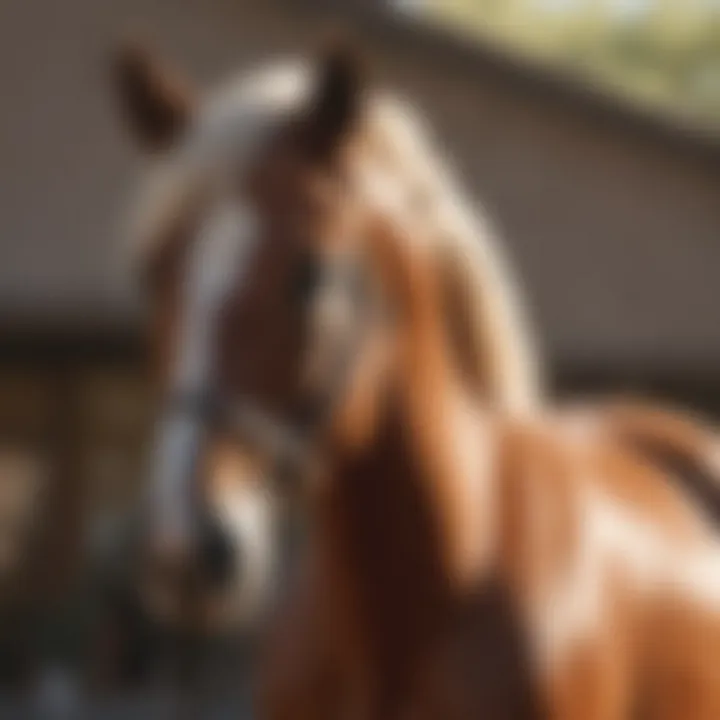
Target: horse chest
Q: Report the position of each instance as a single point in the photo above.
(386, 549)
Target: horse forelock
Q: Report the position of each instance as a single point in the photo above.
(231, 123)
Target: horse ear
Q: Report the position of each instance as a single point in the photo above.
(338, 101)
(157, 103)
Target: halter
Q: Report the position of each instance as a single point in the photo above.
(289, 446)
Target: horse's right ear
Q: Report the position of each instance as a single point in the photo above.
(156, 102)
(338, 100)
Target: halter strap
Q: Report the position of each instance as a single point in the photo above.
(291, 446)
(288, 446)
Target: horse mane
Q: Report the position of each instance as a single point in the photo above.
(494, 345)
(489, 331)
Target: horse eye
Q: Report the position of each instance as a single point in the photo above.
(305, 280)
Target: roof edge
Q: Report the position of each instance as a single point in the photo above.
(468, 55)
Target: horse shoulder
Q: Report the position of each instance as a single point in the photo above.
(615, 569)
(676, 557)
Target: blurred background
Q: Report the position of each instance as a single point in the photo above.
(589, 129)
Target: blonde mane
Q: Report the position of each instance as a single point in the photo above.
(486, 320)
(494, 343)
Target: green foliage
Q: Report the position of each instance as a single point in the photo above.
(662, 52)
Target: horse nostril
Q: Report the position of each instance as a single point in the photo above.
(217, 554)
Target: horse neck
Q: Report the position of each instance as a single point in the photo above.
(399, 520)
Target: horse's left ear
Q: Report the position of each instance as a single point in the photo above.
(338, 100)
(157, 102)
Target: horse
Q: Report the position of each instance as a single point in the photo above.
(460, 560)
(188, 142)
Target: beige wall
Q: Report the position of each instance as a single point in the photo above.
(616, 233)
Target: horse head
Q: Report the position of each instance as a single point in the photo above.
(269, 306)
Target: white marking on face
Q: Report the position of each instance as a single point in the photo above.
(217, 262)
(247, 513)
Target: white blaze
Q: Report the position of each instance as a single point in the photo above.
(217, 261)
